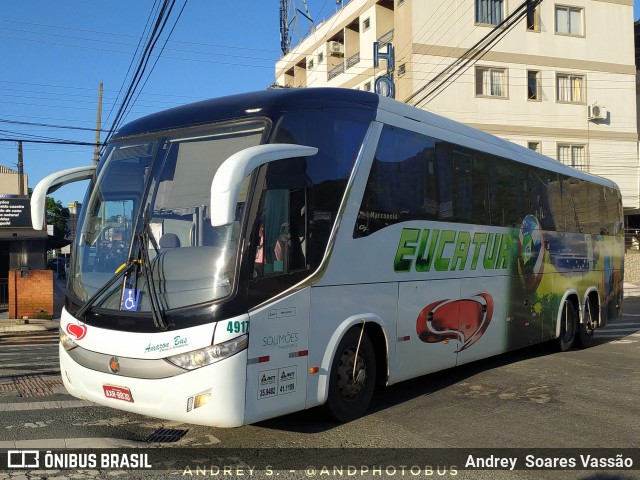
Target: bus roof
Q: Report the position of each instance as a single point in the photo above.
(246, 105)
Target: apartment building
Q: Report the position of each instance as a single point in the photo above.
(561, 80)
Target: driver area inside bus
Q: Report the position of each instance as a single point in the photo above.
(190, 261)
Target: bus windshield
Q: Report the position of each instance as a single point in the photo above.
(151, 201)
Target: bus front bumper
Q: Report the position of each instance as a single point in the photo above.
(172, 398)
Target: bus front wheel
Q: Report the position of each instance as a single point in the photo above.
(352, 377)
(568, 324)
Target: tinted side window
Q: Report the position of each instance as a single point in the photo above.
(539, 195)
(508, 192)
(614, 210)
(600, 223)
(402, 182)
(579, 192)
(338, 134)
(569, 212)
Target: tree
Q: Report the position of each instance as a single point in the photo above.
(58, 216)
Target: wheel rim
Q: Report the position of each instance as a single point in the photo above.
(350, 385)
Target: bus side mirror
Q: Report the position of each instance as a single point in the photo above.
(50, 184)
(229, 177)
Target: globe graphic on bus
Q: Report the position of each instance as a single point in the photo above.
(531, 252)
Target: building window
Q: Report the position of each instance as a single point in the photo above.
(400, 2)
(367, 87)
(568, 20)
(366, 24)
(533, 18)
(535, 146)
(570, 88)
(491, 82)
(489, 11)
(320, 57)
(573, 155)
(310, 64)
(534, 85)
(402, 69)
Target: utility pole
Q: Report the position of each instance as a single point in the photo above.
(20, 172)
(96, 149)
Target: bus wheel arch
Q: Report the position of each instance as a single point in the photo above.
(567, 321)
(356, 367)
(589, 320)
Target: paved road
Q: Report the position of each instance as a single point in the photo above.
(528, 399)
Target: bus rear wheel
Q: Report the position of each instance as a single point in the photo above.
(586, 329)
(568, 323)
(352, 377)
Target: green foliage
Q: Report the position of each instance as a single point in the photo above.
(58, 216)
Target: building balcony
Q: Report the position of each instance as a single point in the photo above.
(386, 38)
(353, 59)
(335, 71)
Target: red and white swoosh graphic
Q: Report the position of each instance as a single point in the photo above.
(464, 320)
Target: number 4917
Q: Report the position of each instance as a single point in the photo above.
(238, 327)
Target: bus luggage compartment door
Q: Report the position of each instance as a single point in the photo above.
(277, 365)
(428, 327)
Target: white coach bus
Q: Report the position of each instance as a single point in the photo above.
(245, 257)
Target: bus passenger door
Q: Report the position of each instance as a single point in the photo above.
(278, 334)
(428, 328)
(277, 358)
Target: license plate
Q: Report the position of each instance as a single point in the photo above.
(119, 393)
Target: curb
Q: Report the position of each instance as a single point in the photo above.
(9, 326)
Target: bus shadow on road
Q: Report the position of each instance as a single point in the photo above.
(316, 420)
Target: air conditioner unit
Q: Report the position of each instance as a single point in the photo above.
(336, 49)
(596, 112)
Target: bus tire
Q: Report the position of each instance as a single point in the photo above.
(584, 337)
(568, 322)
(349, 397)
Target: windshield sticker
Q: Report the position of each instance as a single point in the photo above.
(78, 331)
(130, 299)
(178, 342)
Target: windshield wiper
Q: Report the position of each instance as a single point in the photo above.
(116, 276)
(144, 237)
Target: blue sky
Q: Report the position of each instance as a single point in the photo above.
(55, 54)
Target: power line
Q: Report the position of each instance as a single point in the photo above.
(474, 53)
(35, 124)
(159, 55)
(49, 142)
(154, 36)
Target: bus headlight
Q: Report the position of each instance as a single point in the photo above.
(66, 341)
(211, 354)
